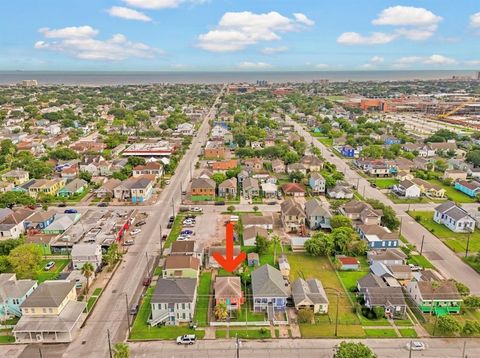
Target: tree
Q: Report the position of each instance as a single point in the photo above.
(472, 302)
(231, 209)
(219, 178)
(121, 350)
(470, 328)
(261, 244)
(25, 260)
(112, 256)
(87, 271)
(63, 154)
(337, 221)
(296, 176)
(134, 161)
(353, 350)
(255, 208)
(305, 316)
(8, 245)
(319, 244)
(11, 198)
(379, 311)
(389, 218)
(473, 157)
(462, 289)
(5, 264)
(87, 176)
(448, 324)
(221, 312)
(341, 237)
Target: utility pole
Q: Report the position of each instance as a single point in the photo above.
(464, 348)
(173, 208)
(128, 314)
(109, 344)
(421, 247)
(40, 352)
(435, 327)
(401, 221)
(161, 249)
(237, 345)
(148, 266)
(410, 350)
(468, 243)
(336, 317)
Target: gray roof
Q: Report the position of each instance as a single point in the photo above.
(49, 294)
(203, 183)
(179, 290)
(84, 249)
(256, 220)
(314, 207)
(292, 208)
(251, 232)
(371, 280)
(450, 209)
(64, 322)
(316, 175)
(385, 296)
(75, 184)
(10, 287)
(310, 290)
(250, 183)
(267, 281)
(390, 254)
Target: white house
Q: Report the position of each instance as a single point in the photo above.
(407, 189)
(454, 217)
(82, 253)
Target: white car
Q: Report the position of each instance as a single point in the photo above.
(136, 232)
(416, 346)
(197, 209)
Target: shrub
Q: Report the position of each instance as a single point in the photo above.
(305, 316)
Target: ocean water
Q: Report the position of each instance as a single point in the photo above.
(89, 78)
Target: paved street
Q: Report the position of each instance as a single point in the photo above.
(111, 310)
(446, 261)
(302, 348)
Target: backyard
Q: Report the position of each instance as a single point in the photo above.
(455, 241)
(54, 272)
(453, 194)
(203, 293)
(385, 183)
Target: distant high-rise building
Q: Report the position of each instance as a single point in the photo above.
(29, 83)
(478, 75)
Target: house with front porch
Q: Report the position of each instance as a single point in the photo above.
(269, 290)
(228, 291)
(454, 217)
(309, 294)
(292, 215)
(317, 215)
(13, 293)
(391, 299)
(317, 183)
(470, 188)
(435, 297)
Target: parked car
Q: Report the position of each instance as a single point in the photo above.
(136, 232)
(186, 232)
(128, 243)
(164, 237)
(140, 223)
(197, 209)
(49, 265)
(134, 310)
(102, 205)
(62, 205)
(169, 225)
(416, 346)
(71, 211)
(219, 203)
(184, 209)
(186, 339)
(147, 281)
(272, 202)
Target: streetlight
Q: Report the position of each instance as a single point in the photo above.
(336, 313)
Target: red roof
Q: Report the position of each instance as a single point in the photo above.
(293, 187)
(346, 260)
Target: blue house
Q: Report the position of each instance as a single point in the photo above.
(392, 140)
(269, 291)
(12, 294)
(41, 219)
(378, 237)
(469, 188)
(317, 182)
(348, 151)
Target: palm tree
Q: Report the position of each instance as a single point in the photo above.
(121, 350)
(221, 311)
(275, 242)
(87, 271)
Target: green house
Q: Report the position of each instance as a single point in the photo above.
(76, 186)
(435, 297)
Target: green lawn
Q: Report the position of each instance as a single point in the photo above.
(472, 262)
(454, 194)
(7, 339)
(250, 333)
(53, 274)
(455, 241)
(91, 301)
(158, 271)
(421, 261)
(398, 200)
(203, 292)
(268, 256)
(142, 330)
(385, 183)
(380, 333)
(408, 332)
(249, 315)
(97, 292)
(302, 265)
(373, 322)
(328, 330)
(220, 334)
(326, 141)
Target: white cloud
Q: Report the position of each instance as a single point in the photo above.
(376, 38)
(274, 50)
(407, 16)
(377, 59)
(366, 65)
(475, 20)
(238, 30)
(301, 18)
(153, 4)
(473, 62)
(254, 65)
(69, 32)
(430, 60)
(80, 42)
(322, 66)
(128, 14)
(411, 23)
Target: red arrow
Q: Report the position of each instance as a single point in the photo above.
(229, 262)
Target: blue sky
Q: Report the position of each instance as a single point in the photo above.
(239, 34)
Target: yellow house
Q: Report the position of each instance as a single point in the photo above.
(46, 186)
(17, 177)
(429, 189)
(181, 267)
(51, 314)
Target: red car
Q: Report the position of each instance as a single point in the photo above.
(147, 281)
